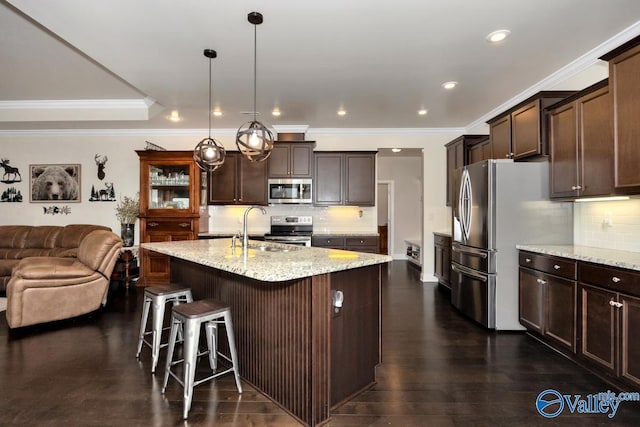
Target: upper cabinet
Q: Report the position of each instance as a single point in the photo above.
(238, 182)
(581, 144)
(169, 183)
(624, 78)
(344, 178)
(520, 132)
(291, 160)
(459, 153)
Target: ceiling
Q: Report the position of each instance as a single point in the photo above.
(120, 64)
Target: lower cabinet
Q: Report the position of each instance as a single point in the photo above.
(365, 243)
(610, 320)
(547, 303)
(442, 259)
(591, 312)
(156, 266)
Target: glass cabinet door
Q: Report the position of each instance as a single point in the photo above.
(169, 186)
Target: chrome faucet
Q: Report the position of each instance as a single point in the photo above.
(245, 235)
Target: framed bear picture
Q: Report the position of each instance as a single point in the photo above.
(52, 183)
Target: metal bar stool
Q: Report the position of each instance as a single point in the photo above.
(157, 297)
(191, 316)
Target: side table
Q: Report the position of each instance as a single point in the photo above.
(126, 269)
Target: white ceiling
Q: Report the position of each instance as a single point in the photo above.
(123, 64)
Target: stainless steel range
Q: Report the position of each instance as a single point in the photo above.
(292, 230)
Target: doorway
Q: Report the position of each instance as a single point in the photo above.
(385, 216)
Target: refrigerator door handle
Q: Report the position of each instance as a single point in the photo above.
(465, 204)
(472, 253)
(468, 272)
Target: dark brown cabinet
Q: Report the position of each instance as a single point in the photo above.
(480, 151)
(238, 182)
(521, 132)
(581, 144)
(624, 76)
(364, 243)
(547, 301)
(291, 160)
(458, 152)
(610, 313)
(169, 207)
(344, 178)
(442, 259)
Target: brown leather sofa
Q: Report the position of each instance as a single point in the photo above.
(22, 241)
(44, 289)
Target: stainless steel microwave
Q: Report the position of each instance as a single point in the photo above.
(292, 191)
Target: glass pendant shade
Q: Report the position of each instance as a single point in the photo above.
(254, 141)
(209, 154)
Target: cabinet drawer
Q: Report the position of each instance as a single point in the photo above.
(164, 225)
(616, 279)
(549, 264)
(334, 242)
(361, 241)
(441, 240)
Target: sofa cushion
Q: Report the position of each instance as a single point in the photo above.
(6, 266)
(98, 248)
(71, 235)
(44, 236)
(14, 236)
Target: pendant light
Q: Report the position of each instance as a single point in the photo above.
(253, 139)
(209, 154)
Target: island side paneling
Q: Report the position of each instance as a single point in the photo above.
(281, 330)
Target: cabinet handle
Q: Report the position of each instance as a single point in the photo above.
(153, 224)
(612, 303)
(506, 155)
(527, 260)
(184, 224)
(556, 267)
(361, 241)
(542, 282)
(615, 279)
(576, 187)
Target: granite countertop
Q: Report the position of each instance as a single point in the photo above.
(344, 233)
(611, 257)
(263, 265)
(445, 233)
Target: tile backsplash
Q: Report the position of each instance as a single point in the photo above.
(611, 225)
(326, 220)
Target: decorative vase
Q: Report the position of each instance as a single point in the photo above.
(127, 233)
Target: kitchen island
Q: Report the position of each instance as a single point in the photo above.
(294, 344)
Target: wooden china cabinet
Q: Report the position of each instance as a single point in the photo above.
(169, 207)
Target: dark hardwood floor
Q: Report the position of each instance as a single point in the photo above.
(438, 369)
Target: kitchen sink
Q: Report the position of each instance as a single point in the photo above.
(265, 248)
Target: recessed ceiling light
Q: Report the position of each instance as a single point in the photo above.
(497, 36)
(217, 113)
(449, 85)
(396, 150)
(174, 116)
(342, 112)
(275, 112)
(423, 112)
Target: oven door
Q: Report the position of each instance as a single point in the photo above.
(289, 240)
(292, 191)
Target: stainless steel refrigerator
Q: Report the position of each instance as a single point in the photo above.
(498, 204)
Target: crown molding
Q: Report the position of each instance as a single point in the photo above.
(222, 132)
(76, 110)
(578, 65)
